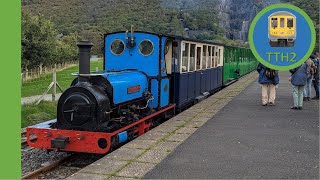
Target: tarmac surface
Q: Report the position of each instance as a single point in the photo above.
(228, 135)
(247, 140)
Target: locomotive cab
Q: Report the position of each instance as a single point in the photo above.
(142, 53)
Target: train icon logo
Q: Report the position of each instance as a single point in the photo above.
(282, 29)
(282, 36)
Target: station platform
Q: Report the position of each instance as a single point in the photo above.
(226, 136)
(247, 140)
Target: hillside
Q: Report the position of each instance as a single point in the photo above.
(217, 20)
(93, 18)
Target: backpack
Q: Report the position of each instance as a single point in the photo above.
(313, 70)
(270, 74)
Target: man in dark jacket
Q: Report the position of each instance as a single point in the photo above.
(316, 61)
(268, 79)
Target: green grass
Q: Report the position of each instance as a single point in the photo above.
(39, 86)
(32, 114)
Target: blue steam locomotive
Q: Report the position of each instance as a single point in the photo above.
(147, 78)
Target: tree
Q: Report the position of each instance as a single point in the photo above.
(39, 41)
(67, 48)
(42, 45)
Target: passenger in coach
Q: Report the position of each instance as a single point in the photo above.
(268, 78)
(298, 80)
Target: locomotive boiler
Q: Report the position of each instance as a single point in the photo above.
(102, 102)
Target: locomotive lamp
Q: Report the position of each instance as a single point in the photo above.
(130, 40)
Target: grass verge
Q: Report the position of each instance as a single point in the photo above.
(32, 114)
(39, 86)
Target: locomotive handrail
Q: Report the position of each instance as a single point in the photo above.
(87, 75)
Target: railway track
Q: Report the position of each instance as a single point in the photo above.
(45, 169)
(23, 139)
(62, 167)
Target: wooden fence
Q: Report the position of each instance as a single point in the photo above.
(31, 74)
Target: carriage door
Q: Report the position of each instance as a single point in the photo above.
(170, 51)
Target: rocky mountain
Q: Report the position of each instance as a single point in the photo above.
(236, 16)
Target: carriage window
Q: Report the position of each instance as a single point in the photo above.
(204, 57)
(282, 22)
(117, 47)
(212, 57)
(192, 56)
(166, 47)
(216, 58)
(290, 22)
(185, 54)
(274, 22)
(219, 59)
(209, 57)
(198, 58)
(146, 47)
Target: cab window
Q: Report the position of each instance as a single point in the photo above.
(146, 47)
(117, 47)
(290, 22)
(274, 22)
(282, 22)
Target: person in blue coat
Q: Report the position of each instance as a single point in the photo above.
(268, 78)
(316, 61)
(298, 80)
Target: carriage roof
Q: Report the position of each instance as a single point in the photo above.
(181, 38)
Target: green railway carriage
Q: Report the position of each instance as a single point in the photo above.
(237, 62)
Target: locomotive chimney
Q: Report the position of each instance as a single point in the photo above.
(84, 59)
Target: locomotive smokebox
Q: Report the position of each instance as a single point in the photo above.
(84, 59)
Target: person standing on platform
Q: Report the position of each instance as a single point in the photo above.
(268, 78)
(310, 71)
(316, 62)
(298, 80)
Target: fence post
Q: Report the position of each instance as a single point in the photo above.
(54, 78)
(40, 68)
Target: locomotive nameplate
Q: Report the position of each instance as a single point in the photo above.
(133, 89)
